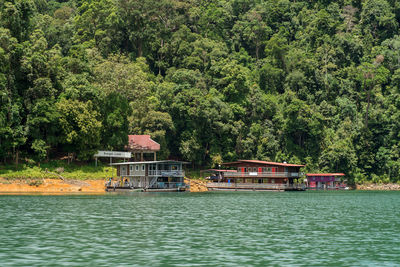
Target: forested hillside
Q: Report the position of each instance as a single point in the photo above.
(313, 82)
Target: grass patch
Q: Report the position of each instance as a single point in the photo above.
(70, 171)
(194, 174)
(35, 182)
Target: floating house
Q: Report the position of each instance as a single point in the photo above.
(164, 175)
(257, 175)
(326, 181)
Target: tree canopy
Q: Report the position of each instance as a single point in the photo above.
(315, 82)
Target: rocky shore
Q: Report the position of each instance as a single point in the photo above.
(98, 186)
(196, 185)
(386, 187)
(58, 186)
(51, 186)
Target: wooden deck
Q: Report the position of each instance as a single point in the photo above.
(130, 189)
(254, 187)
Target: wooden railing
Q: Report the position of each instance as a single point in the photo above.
(261, 174)
(158, 185)
(257, 186)
(166, 173)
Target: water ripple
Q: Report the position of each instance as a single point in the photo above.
(204, 229)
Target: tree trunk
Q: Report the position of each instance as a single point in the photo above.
(16, 158)
(140, 52)
(366, 112)
(257, 49)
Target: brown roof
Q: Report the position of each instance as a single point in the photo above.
(264, 162)
(325, 174)
(217, 170)
(142, 142)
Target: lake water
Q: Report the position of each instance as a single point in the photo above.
(342, 228)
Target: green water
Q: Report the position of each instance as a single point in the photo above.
(344, 228)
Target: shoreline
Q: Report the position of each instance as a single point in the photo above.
(51, 186)
(97, 186)
(58, 186)
(378, 187)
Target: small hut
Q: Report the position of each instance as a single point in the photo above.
(140, 145)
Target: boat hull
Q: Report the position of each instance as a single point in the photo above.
(129, 189)
(253, 187)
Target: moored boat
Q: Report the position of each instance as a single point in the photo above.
(256, 175)
(149, 176)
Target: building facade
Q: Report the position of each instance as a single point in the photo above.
(167, 175)
(258, 175)
(326, 181)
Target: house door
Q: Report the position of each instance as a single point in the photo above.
(242, 169)
(123, 170)
(259, 169)
(273, 171)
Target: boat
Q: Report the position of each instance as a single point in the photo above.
(148, 176)
(256, 175)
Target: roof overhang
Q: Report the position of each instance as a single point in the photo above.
(325, 174)
(217, 170)
(149, 162)
(262, 163)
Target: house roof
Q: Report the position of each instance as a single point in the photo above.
(149, 162)
(263, 162)
(142, 142)
(218, 170)
(325, 174)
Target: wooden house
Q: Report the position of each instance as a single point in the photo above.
(326, 181)
(140, 145)
(164, 175)
(258, 175)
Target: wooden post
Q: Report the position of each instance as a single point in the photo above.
(155, 156)
(17, 157)
(141, 156)
(96, 161)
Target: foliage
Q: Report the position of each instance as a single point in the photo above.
(313, 82)
(71, 171)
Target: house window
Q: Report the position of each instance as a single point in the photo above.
(142, 167)
(272, 181)
(136, 167)
(131, 168)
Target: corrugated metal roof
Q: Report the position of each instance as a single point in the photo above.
(149, 162)
(325, 174)
(217, 170)
(142, 142)
(264, 162)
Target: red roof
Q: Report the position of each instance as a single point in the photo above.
(325, 174)
(142, 142)
(216, 170)
(264, 162)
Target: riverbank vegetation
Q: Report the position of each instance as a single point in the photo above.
(314, 82)
(56, 170)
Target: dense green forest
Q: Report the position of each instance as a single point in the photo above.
(314, 82)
